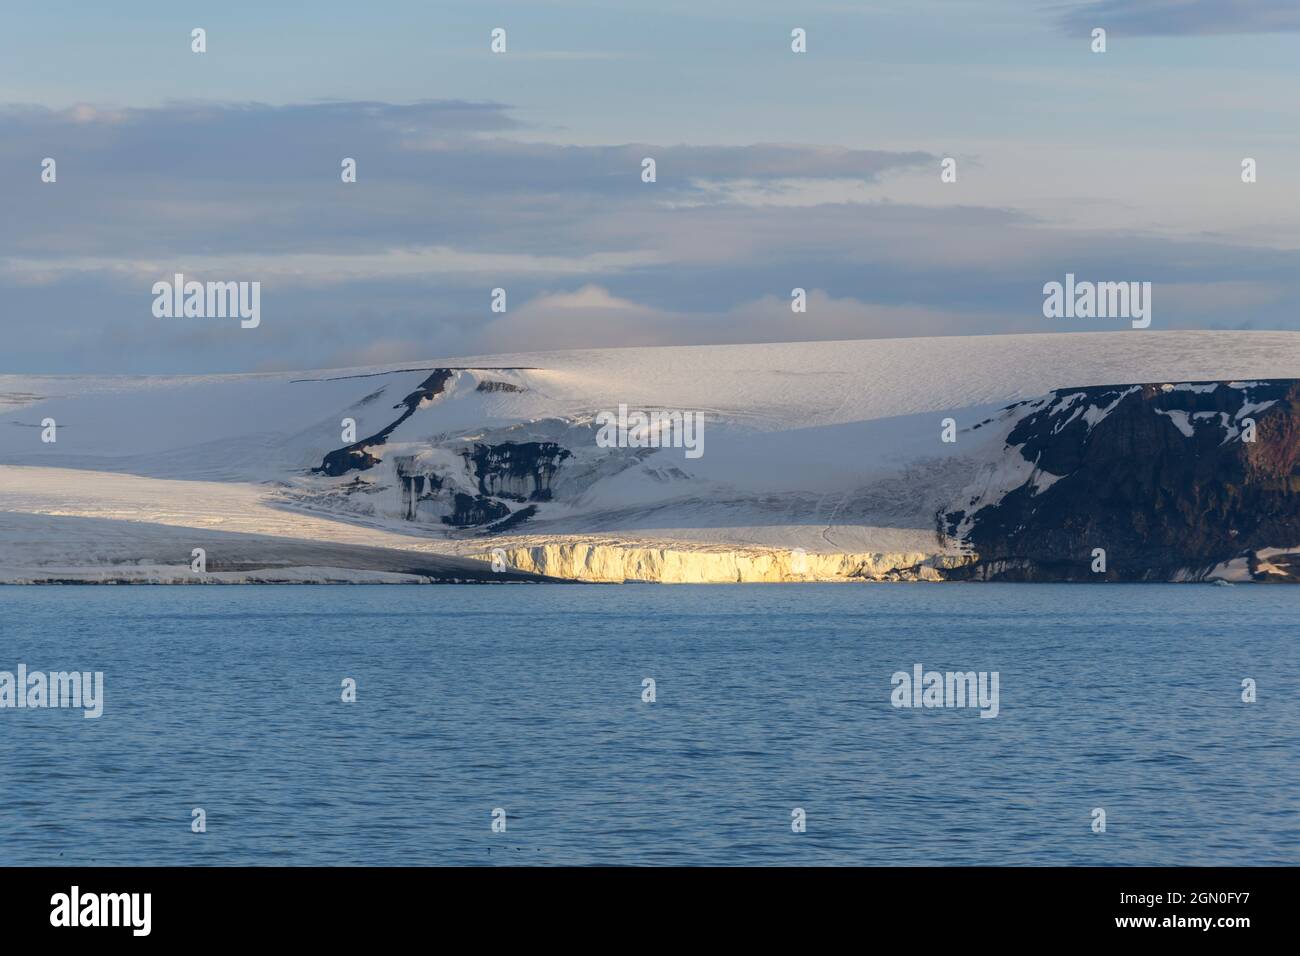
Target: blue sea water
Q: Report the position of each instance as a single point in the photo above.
(769, 697)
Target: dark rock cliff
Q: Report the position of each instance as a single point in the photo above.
(1168, 479)
(500, 473)
(357, 455)
(520, 471)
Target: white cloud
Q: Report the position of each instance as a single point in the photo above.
(328, 268)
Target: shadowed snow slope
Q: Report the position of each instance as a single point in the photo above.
(1174, 453)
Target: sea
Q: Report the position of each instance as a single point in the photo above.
(654, 725)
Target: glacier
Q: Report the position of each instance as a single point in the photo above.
(824, 461)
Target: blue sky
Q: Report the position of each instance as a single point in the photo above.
(521, 170)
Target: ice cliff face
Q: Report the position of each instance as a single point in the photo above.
(610, 563)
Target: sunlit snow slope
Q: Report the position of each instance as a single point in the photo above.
(820, 460)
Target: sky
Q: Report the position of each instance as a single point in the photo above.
(522, 171)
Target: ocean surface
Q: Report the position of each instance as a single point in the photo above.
(769, 698)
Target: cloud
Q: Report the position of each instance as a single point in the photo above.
(1185, 17)
(319, 269)
(252, 179)
(448, 206)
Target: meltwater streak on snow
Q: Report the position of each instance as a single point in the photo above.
(827, 446)
(767, 699)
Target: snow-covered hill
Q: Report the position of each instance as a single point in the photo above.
(823, 460)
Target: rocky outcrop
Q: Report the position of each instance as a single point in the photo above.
(358, 455)
(1169, 480)
(470, 510)
(478, 485)
(519, 471)
(415, 486)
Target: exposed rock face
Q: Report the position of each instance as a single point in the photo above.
(415, 486)
(512, 520)
(520, 471)
(472, 488)
(1164, 478)
(470, 510)
(357, 455)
